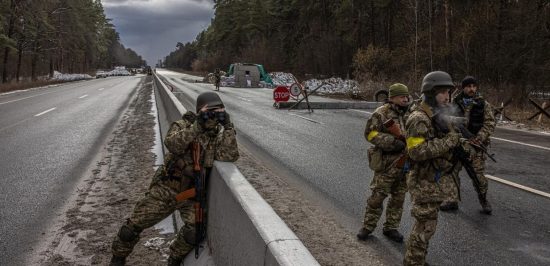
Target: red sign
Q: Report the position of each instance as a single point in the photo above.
(281, 94)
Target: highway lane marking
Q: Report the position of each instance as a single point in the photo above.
(522, 143)
(510, 183)
(244, 99)
(83, 96)
(360, 111)
(47, 111)
(12, 101)
(308, 119)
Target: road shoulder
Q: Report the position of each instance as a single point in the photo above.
(83, 233)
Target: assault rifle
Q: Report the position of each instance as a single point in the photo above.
(394, 129)
(200, 197)
(199, 193)
(446, 124)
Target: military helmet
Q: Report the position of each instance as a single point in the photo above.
(210, 98)
(436, 79)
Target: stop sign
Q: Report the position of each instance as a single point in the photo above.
(281, 94)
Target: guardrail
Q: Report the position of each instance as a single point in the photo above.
(242, 228)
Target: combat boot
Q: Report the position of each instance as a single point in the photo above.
(449, 206)
(393, 235)
(485, 205)
(363, 234)
(117, 261)
(175, 261)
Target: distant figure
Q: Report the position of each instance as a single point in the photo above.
(217, 78)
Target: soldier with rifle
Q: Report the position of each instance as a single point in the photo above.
(193, 142)
(479, 126)
(387, 158)
(430, 152)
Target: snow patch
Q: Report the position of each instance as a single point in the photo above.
(69, 77)
(155, 243)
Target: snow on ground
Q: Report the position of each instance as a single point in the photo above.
(69, 77)
(332, 85)
(282, 78)
(329, 86)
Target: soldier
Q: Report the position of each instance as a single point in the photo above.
(387, 159)
(481, 123)
(430, 156)
(212, 130)
(217, 78)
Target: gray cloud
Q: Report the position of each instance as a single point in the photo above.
(152, 28)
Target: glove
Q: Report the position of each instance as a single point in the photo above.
(453, 139)
(398, 145)
(224, 119)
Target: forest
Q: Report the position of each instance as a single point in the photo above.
(504, 43)
(69, 36)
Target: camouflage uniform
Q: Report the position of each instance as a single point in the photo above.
(481, 122)
(431, 160)
(175, 176)
(389, 179)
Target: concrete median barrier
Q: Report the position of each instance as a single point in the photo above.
(242, 228)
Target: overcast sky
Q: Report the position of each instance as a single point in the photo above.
(152, 28)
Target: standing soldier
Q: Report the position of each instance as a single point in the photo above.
(430, 155)
(386, 131)
(481, 123)
(196, 139)
(217, 78)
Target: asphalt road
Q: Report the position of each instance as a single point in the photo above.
(48, 139)
(324, 154)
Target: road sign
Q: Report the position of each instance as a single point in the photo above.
(281, 94)
(295, 89)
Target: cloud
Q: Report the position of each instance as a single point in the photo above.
(152, 28)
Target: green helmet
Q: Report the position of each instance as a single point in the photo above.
(436, 79)
(210, 98)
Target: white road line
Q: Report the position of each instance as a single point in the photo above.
(27, 97)
(47, 111)
(244, 99)
(100, 89)
(360, 111)
(83, 96)
(308, 119)
(522, 143)
(510, 183)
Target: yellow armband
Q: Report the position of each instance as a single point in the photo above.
(372, 134)
(414, 141)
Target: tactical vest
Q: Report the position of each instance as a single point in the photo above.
(474, 112)
(476, 118)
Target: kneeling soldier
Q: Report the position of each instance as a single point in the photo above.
(193, 143)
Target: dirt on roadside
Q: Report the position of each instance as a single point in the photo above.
(327, 241)
(83, 234)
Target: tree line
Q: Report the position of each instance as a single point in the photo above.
(69, 36)
(502, 42)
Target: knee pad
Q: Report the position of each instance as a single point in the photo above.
(189, 237)
(128, 233)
